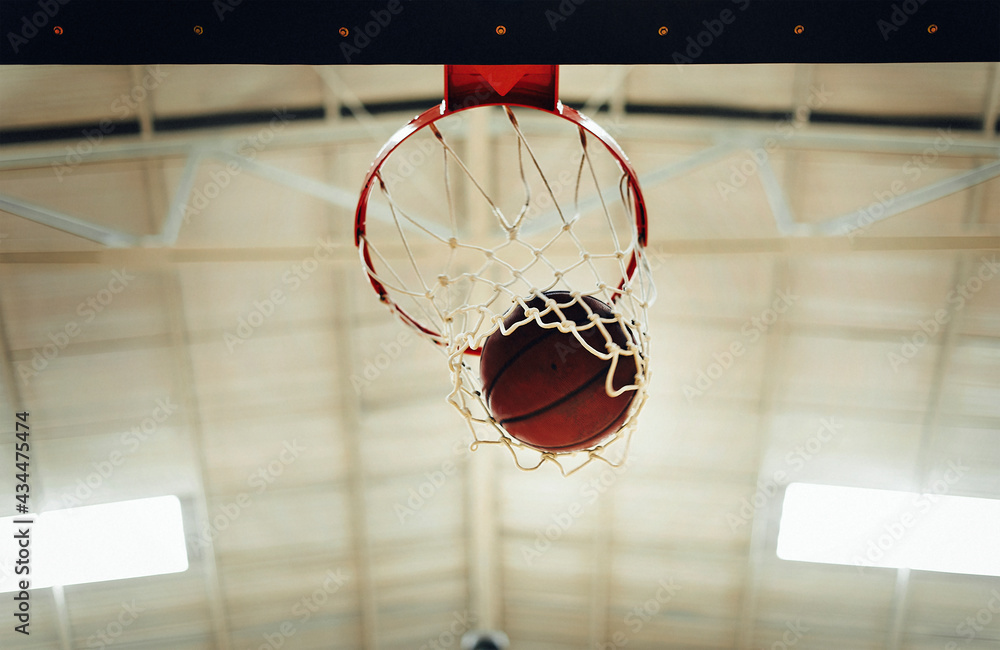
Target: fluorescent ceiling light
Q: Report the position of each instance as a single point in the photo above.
(883, 528)
(111, 541)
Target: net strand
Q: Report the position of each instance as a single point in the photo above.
(458, 159)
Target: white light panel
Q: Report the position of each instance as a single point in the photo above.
(883, 528)
(111, 541)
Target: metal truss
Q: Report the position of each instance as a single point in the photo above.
(724, 143)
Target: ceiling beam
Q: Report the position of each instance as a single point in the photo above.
(349, 415)
(103, 235)
(188, 399)
(851, 221)
(484, 583)
(600, 586)
(991, 102)
(772, 368)
(484, 574)
(347, 253)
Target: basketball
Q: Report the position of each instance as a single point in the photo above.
(545, 388)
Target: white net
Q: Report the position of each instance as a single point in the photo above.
(466, 225)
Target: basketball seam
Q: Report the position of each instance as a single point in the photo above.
(596, 436)
(496, 378)
(564, 398)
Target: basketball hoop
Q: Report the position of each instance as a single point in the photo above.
(455, 234)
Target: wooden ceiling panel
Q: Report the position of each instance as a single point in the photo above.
(878, 291)
(317, 517)
(839, 374)
(830, 448)
(832, 184)
(236, 209)
(699, 366)
(206, 89)
(23, 235)
(217, 296)
(374, 84)
(246, 454)
(694, 441)
(74, 308)
(299, 370)
(970, 386)
(707, 204)
(905, 88)
(754, 87)
(731, 287)
(116, 195)
(40, 95)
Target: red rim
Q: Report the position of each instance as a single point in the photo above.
(441, 111)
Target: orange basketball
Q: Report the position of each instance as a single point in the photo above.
(548, 390)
